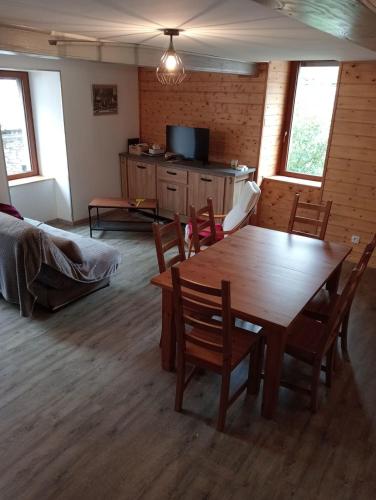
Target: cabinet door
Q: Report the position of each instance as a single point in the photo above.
(234, 186)
(172, 197)
(141, 180)
(124, 177)
(203, 186)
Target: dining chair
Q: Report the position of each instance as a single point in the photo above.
(311, 340)
(240, 214)
(166, 237)
(317, 223)
(235, 219)
(202, 224)
(322, 304)
(207, 338)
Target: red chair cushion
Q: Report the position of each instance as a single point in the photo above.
(206, 232)
(10, 210)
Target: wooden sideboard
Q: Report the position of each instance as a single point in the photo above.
(177, 185)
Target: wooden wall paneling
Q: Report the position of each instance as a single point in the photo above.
(350, 179)
(277, 199)
(273, 122)
(231, 106)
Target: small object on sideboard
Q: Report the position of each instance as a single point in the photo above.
(156, 152)
(138, 149)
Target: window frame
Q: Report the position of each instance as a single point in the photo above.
(289, 115)
(23, 77)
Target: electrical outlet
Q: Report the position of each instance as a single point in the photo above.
(355, 239)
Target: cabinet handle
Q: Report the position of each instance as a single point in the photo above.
(171, 189)
(171, 173)
(205, 179)
(141, 166)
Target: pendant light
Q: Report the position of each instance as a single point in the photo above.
(170, 70)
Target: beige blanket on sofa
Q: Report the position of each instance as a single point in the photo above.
(24, 248)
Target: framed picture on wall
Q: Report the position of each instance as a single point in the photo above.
(105, 99)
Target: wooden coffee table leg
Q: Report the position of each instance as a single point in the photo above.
(168, 338)
(275, 341)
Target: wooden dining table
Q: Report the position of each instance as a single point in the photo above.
(273, 276)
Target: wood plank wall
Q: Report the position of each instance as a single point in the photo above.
(274, 117)
(231, 106)
(350, 179)
(277, 199)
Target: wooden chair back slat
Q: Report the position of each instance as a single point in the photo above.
(312, 206)
(206, 344)
(174, 260)
(200, 307)
(319, 225)
(198, 287)
(202, 219)
(341, 308)
(303, 233)
(347, 296)
(174, 231)
(197, 311)
(170, 244)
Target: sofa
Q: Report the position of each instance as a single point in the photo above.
(42, 264)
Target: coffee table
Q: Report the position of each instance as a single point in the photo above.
(97, 223)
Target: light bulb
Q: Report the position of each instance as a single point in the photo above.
(170, 62)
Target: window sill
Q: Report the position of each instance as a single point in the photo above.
(296, 180)
(28, 180)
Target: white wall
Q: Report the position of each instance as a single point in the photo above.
(45, 90)
(4, 192)
(35, 200)
(92, 142)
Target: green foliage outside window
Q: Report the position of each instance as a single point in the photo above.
(307, 148)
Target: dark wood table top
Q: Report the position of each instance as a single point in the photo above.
(273, 274)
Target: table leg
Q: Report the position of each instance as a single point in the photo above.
(275, 341)
(333, 282)
(168, 337)
(90, 225)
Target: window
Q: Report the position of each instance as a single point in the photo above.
(16, 122)
(312, 97)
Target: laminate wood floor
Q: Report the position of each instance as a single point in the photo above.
(86, 412)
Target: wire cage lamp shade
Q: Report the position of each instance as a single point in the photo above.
(170, 70)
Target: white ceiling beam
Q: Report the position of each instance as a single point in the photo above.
(17, 39)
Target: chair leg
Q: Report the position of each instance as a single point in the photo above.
(315, 385)
(223, 404)
(180, 382)
(329, 365)
(256, 360)
(190, 247)
(344, 329)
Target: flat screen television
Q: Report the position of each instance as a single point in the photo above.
(189, 142)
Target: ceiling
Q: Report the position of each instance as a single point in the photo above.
(241, 30)
(345, 19)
